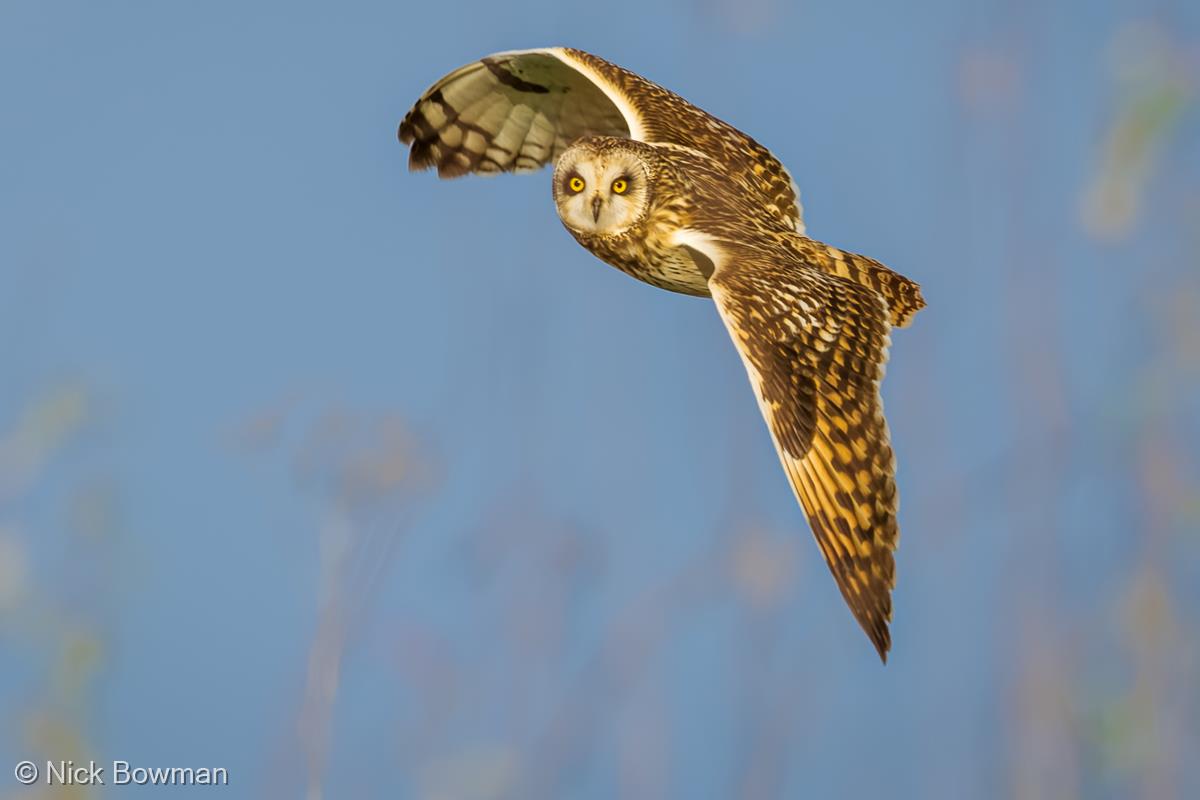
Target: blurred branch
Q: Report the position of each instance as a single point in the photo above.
(366, 471)
(45, 427)
(1158, 87)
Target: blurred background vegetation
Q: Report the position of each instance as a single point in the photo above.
(361, 485)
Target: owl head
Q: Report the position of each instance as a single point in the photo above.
(603, 185)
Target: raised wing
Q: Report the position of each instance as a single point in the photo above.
(518, 111)
(814, 346)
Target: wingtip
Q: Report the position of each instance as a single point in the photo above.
(881, 637)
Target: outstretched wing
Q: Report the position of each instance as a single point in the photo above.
(815, 345)
(518, 111)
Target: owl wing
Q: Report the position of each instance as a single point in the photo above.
(814, 346)
(518, 111)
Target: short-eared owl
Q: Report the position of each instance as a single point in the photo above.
(679, 199)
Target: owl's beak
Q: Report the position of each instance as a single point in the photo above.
(596, 208)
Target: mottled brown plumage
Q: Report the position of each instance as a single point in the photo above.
(519, 111)
(676, 198)
(814, 345)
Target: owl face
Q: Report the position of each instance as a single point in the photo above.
(601, 189)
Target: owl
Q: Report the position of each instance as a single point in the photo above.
(674, 197)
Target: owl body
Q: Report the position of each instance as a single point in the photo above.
(686, 193)
(649, 254)
(679, 199)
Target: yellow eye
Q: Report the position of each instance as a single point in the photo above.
(620, 186)
(575, 184)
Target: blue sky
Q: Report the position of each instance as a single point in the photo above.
(210, 236)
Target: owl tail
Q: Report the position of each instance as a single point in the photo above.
(903, 296)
